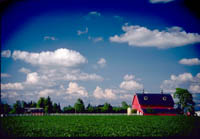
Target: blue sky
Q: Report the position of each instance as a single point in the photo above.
(99, 51)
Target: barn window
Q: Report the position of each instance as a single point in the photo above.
(145, 98)
(164, 98)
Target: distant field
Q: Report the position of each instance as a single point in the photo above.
(60, 126)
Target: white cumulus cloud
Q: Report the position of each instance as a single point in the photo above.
(46, 92)
(195, 88)
(24, 70)
(190, 62)
(9, 95)
(184, 80)
(131, 85)
(106, 94)
(60, 57)
(128, 77)
(82, 77)
(32, 78)
(75, 89)
(138, 36)
(6, 53)
(182, 77)
(12, 86)
(101, 62)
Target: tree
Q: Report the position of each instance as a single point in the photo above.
(56, 108)
(4, 108)
(185, 103)
(106, 108)
(68, 109)
(17, 107)
(124, 105)
(59, 109)
(117, 109)
(79, 106)
(40, 103)
(48, 105)
(33, 104)
(90, 109)
(24, 104)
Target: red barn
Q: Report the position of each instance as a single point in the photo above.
(153, 104)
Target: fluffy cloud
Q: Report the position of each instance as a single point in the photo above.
(106, 94)
(46, 92)
(60, 57)
(6, 53)
(79, 32)
(95, 13)
(190, 62)
(5, 75)
(195, 88)
(63, 74)
(128, 77)
(138, 36)
(131, 85)
(12, 86)
(9, 95)
(182, 77)
(95, 39)
(83, 77)
(24, 70)
(185, 80)
(101, 62)
(160, 1)
(32, 78)
(49, 38)
(75, 89)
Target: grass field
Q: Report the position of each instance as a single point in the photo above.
(60, 126)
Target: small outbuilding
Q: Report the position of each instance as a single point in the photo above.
(153, 104)
(197, 113)
(34, 111)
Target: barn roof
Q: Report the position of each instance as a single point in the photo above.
(155, 99)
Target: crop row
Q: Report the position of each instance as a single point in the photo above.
(60, 126)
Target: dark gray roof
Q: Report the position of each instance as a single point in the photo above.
(155, 99)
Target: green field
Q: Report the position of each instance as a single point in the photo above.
(60, 126)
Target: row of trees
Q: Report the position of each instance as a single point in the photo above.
(185, 104)
(79, 107)
(50, 107)
(19, 106)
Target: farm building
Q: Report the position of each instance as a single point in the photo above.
(197, 113)
(37, 111)
(153, 104)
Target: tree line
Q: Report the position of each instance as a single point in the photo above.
(184, 105)
(50, 107)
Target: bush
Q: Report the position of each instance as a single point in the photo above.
(150, 110)
(134, 111)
